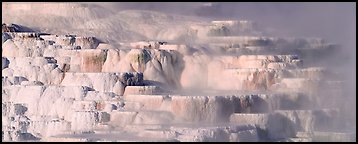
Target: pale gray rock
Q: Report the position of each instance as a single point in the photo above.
(202, 108)
(86, 42)
(103, 117)
(32, 83)
(84, 121)
(57, 127)
(244, 136)
(118, 88)
(65, 40)
(122, 118)
(5, 63)
(5, 81)
(153, 117)
(7, 72)
(5, 36)
(147, 102)
(16, 80)
(9, 49)
(84, 106)
(29, 95)
(141, 90)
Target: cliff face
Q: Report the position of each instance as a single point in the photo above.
(189, 80)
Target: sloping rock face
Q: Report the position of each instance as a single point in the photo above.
(214, 81)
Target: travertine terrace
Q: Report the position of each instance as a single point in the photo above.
(193, 81)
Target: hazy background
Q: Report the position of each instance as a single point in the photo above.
(335, 22)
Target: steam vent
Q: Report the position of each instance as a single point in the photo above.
(85, 72)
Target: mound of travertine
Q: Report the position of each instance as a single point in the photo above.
(234, 88)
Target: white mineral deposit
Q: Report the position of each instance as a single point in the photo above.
(202, 72)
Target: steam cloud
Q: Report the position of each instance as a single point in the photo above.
(332, 21)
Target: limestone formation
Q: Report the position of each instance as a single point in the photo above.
(147, 76)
